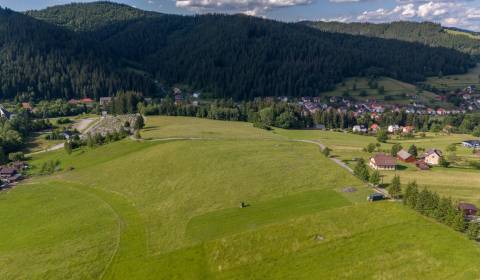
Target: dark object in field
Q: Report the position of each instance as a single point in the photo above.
(375, 197)
(349, 190)
(243, 204)
(71, 168)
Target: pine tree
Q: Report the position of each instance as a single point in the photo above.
(395, 188)
(411, 194)
(375, 178)
(361, 170)
(395, 149)
(413, 150)
(382, 136)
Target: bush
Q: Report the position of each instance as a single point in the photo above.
(18, 156)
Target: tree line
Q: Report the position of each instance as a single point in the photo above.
(236, 57)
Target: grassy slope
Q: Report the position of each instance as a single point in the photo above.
(393, 88)
(460, 183)
(55, 231)
(454, 82)
(158, 189)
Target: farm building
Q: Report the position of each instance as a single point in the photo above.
(405, 156)
(422, 165)
(7, 172)
(467, 208)
(432, 157)
(383, 162)
(472, 144)
(374, 127)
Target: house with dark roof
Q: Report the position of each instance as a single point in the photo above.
(8, 172)
(468, 209)
(383, 162)
(472, 144)
(420, 164)
(405, 156)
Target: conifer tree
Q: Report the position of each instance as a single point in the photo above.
(375, 178)
(395, 188)
(459, 221)
(361, 170)
(68, 147)
(413, 150)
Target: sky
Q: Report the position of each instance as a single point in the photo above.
(460, 13)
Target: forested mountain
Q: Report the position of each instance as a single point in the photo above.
(427, 33)
(89, 17)
(51, 62)
(228, 56)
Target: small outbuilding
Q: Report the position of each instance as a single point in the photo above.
(405, 156)
(422, 165)
(467, 208)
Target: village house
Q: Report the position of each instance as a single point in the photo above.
(359, 129)
(468, 209)
(393, 128)
(374, 127)
(7, 172)
(105, 101)
(432, 157)
(472, 144)
(408, 129)
(405, 156)
(383, 162)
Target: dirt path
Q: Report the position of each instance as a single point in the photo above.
(322, 146)
(84, 125)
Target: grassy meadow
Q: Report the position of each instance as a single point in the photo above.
(170, 210)
(459, 182)
(453, 82)
(396, 92)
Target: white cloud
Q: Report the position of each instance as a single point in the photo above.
(251, 7)
(450, 13)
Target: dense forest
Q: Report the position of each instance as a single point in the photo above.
(100, 48)
(41, 60)
(427, 33)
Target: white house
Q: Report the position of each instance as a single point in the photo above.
(359, 128)
(393, 128)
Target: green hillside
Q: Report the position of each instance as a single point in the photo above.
(227, 56)
(428, 33)
(169, 209)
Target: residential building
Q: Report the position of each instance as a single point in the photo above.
(383, 162)
(468, 209)
(472, 144)
(432, 157)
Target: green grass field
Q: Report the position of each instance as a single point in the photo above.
(396, 92)
(460, 183)
(454, 82)
(170, 210)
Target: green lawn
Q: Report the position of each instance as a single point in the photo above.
(170, 210)
(229, 221)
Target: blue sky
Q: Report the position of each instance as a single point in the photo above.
(460, 13)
